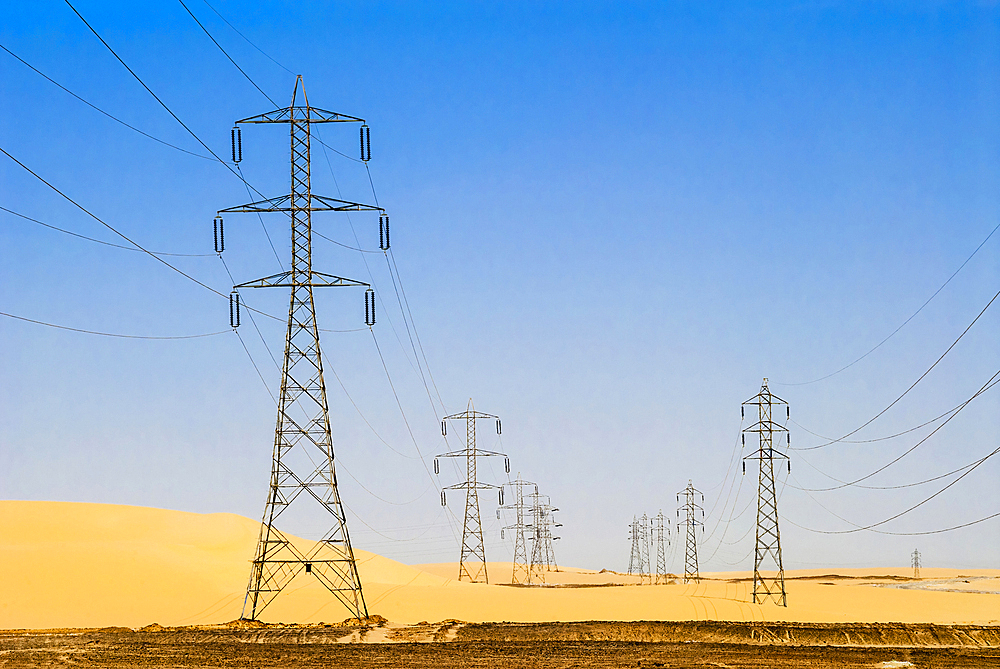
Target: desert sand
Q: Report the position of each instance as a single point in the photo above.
(97, 565)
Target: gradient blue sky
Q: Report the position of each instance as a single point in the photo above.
(611, 221)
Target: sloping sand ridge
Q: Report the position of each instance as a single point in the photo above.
(95, 565)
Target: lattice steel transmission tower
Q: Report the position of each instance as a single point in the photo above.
(767, 547)
(691, 511)
(302, 460)
(661, 531)
(472, 561)
(543, 554)
(915, 563)
(635, 557)
(522, 514)
(644, 537)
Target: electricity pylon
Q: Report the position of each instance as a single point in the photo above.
(543, 554)
(767, 546)
(661, 531)
(915, 563)
(302, 434)
(691, 511)
(520, 572)
(472, 560)
(635, 557)
(644, 537)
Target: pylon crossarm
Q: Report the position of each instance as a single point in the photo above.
(313, 114)
(316, 280)
(333, 204)
(284, 203)
(470, 414)
(766, 426)
(774, 453)
(465, 485)
(465, 453)
(270, 204)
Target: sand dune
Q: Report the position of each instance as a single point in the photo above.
(95, 565)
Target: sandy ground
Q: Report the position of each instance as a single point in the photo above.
(93, 565)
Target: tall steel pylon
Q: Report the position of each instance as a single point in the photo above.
(472, 560)
(302, 434)
(543, 554)
(691, 511)
(767, 548)
(644, 537)
(915, 563)
(520, 573)
(635, 556)
(661, 531)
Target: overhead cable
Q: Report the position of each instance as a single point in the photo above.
(861, 528)
(108, 334)
(98, 109)
(100, 241)
(914, 384)
(912, 316)
(247, 39)
(989, 384)
(226, 54)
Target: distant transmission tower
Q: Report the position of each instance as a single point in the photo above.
(635, 557)
(768, 542)
(522, 515)
(472, 561)
(302, 462)
(661, 530)
(543, 554)
(691, 511)
(915, 563)
(644, 537)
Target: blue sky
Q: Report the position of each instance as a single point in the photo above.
(611, 220)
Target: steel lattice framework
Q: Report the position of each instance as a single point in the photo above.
(543, 554)
(691, 511)
(767, 549)
(661, 531)
(644, 537)
(521, 573)
(303, 458)
(635, 556)
(472, 561)
(915, 563)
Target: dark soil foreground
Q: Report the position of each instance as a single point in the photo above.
(511, 646)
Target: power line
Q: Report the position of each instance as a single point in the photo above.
(893, 333)
(351, 248)
(867, 441)
(150, 90)
(98, 109)
(989, 384)
(108, 334)
(886, 487)
(247, 39)
(898, 534)
(161, 102)
(226, 54)
(138, 246)
(100, 241)
(111, 228)
(260, 218)
(256, 368)
(914, 384)
(860, 528)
